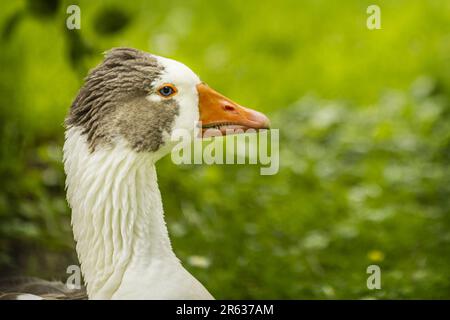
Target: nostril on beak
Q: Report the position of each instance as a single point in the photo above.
(228, 107)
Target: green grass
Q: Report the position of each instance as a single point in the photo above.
(364, 151)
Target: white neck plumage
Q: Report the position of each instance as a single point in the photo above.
(118, 224)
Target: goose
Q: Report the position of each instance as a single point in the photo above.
(117, 128)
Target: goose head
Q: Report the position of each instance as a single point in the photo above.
(140, 99)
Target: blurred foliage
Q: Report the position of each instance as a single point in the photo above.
(365, 141)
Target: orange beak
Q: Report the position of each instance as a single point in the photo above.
(221, 116)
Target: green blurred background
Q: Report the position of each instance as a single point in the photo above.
(364, 123)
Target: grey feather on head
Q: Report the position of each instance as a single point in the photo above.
(112, 103)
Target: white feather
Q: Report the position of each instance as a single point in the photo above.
(118, 224)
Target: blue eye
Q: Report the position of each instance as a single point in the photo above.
(167, 91)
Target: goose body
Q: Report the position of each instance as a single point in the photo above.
(118, 127)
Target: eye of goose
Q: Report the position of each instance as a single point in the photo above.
(167, 90)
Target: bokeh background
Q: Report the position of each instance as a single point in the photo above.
(364, 121)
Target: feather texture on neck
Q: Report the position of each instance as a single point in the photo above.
(117, 213)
